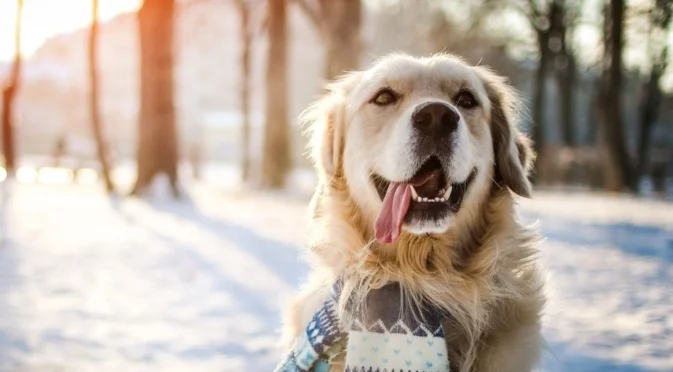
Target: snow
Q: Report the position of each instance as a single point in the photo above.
(610, 262)
(88, 283)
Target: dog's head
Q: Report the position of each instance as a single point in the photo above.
(419, 142)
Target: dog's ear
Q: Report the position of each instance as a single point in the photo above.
(513, 151)
(325, 123)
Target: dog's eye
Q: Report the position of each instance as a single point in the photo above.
(384, 97)
(465, 99)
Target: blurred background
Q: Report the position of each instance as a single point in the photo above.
(154, 184)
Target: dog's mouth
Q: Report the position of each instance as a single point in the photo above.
(429, 195)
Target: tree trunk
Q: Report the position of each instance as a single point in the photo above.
(93, 103)
(539, 95)
(669, 164)
(343, 47)
(563, 64)
(566, 68)
(157, 145)
(652, 94)
(649, 111)
(246, 46)
(618, 166)
(9, 96)
(276, 161)
(566, 82)
(649, 106)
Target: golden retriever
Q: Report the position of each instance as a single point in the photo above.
(418, 161)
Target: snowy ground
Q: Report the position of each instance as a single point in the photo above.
(89, 284)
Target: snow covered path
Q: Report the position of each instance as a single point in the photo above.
(611, 282)
(89, 284)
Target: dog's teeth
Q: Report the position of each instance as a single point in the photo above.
(425, 199)
(447, 194)
(442, 200)
(436, 200)
(414, 194)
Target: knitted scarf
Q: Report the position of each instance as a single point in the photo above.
(382, 337)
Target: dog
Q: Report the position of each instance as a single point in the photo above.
(419, 162)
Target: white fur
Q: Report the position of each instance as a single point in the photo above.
(479, 264)
(392, 155)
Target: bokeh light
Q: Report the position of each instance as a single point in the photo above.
(26, 175)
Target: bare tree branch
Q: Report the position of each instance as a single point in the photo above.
(315, 16)
(531, 12)
(9, 95)
(254, 7)
(534, 8)
(312, 14)
(240, 4)
(18, 59)
(574, 14)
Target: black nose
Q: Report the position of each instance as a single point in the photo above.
(435, 119)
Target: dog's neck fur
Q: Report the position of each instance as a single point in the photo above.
(462, 274)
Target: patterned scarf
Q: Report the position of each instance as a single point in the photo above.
(383, 338)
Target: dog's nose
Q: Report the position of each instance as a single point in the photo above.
(435, 119)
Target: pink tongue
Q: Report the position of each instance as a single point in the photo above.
(395, 205)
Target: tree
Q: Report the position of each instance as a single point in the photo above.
(157, 145)
(617, 167)
(552, 20)
(245, 10)
(338, 23)
(9, 96)
(101, 144)
(566, 66)
(276, 157)
(659, 26)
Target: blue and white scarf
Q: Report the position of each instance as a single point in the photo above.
(385, 337)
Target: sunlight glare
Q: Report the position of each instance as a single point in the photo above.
(51, 175)
(26, 175)
(87, 176)
(43, 19)
(124, 175)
